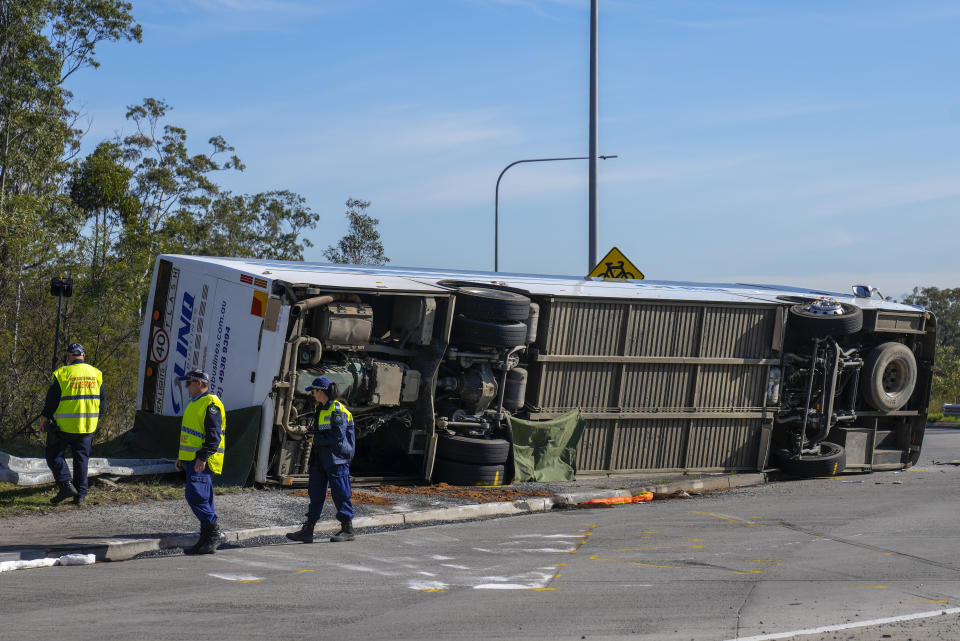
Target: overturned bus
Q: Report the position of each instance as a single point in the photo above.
(667, 376)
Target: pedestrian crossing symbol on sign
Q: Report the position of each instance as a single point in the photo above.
(615, 265)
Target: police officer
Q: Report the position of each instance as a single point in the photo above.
(69, 417)
(202, 442)
(334, 442)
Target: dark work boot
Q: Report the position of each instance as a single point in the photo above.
(67, 491)
(213, 540)
(304, 534)
(201, 542)
(345, 533)
(78, 500)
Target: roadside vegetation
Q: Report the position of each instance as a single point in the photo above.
(16, 500)
(101, 219)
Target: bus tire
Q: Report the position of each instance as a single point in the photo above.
(831, 461)
(803, 325)
(485, 304)
(889, 376)
(468, 331)
(457, 473)
(477, 451)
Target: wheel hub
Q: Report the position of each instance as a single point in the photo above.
(825, 305)
(893, 376)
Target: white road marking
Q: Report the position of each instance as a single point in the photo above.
(254, 564)
(361, 568)
(546, 536)
(235, 577)
(526, 581)
(426, 585)
(455, 566)
(848, 626)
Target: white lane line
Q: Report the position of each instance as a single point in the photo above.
(848, 626)
(235, 577)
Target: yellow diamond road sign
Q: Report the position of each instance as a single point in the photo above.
(615, 265)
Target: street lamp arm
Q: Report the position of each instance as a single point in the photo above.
(496, 200)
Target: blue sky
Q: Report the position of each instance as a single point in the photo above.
(812, 143)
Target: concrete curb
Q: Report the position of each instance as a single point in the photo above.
(124, 549)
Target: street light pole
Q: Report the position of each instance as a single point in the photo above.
(593, 224)
(496, 202)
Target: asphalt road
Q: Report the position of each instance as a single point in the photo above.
(770, 562)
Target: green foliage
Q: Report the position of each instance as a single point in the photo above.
(101, 219)
(939, 417)
(265, 225)
(946, 376)
(42, 42)
(361, 245)
(945, 304)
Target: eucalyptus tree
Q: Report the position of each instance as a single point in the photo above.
(361, 245)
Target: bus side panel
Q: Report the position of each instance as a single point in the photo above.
(671, 386)
(200, 321)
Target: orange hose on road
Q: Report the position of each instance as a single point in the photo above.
(618, 500)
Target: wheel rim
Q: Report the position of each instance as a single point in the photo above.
(894, 375)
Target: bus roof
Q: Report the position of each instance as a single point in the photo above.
(427, 280)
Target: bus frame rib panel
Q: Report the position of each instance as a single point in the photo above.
(662, 386)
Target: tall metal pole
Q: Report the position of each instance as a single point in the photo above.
(496, 203)
(56, 332)
(593, 234)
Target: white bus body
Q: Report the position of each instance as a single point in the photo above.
(668, 376)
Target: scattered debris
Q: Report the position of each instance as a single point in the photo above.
(359, 497)
(478, 494)
(66, 559)
(610, 501)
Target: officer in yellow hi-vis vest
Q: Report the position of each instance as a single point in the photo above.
(69, 417)
(202, 442)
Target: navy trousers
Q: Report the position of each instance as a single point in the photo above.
(338, 479)
(198, 490)
(80, 446)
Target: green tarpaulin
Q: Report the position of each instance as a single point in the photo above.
(545, 450)
(155, 436)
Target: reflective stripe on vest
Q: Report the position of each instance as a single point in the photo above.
(323, 416)
(192, 431)
(79, 408)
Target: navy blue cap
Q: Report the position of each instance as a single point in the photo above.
(196, 375)
(321, 383)
(76, 349)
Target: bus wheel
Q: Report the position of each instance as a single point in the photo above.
(478, 451)
(804, 323)
(476, 332)
(457, 473)
(831, 460)
(889, 376)
(485, 304)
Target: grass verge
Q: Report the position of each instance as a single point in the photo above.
(19, 500)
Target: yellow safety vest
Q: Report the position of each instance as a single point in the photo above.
(192, 431)
(79, 407)
(323, 416)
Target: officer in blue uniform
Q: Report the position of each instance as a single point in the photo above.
(202, 444)
(70, 414)
(334, 442)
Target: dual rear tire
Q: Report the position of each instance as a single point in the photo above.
(462, 460)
